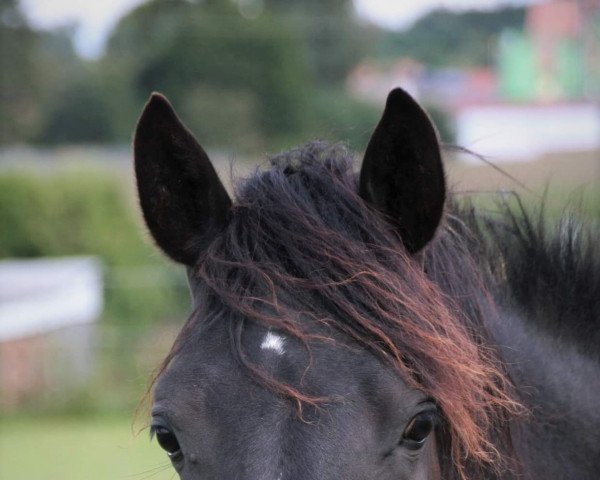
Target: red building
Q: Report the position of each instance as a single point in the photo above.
(47, 312)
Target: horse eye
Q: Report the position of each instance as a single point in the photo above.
(418, 430)
(168, 441)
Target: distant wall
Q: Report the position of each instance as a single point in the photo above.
(51, 365)
(524, 132)
(48, 309)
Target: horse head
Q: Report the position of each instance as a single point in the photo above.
(319, 348)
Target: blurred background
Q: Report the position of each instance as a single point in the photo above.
(88, 307)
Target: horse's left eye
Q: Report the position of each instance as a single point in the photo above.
(418, 430)
(168, 442)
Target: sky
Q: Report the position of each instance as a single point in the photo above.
(96, 18)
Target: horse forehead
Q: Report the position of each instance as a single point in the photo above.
(209, 361)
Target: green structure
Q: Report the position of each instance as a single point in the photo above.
(530, 71)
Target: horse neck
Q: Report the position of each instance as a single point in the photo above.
(558, 383)
(560, 386)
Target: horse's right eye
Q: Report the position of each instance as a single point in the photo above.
(168, 442)
(418, 430)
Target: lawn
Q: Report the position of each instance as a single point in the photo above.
(563, 180)
(79, 448)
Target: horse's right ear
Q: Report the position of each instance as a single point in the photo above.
(402, 174)
(184, 203)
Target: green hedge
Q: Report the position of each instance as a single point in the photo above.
(89, 211)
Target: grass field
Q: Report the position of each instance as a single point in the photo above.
(79, 448)
(561, 180)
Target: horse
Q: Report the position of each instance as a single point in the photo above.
(367, 325)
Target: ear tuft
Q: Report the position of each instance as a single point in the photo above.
(396, 99)
(157, 106)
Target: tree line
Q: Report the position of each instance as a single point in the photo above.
(243, 73)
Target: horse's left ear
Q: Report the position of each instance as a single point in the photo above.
(402, 174)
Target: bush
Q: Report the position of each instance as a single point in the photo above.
(262, 63)
(79, 114)
(223, 117)
(87, 212)
(340, 117)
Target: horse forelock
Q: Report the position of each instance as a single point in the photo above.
(303, 250)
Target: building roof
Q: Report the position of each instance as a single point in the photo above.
(560, 19)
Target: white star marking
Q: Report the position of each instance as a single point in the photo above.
(273, 342)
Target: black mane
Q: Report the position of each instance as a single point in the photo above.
(547, 269)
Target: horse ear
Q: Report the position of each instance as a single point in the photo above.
(402, 174)
(184, 203)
